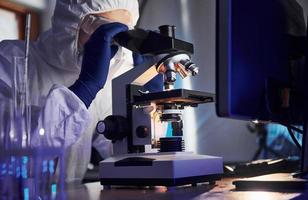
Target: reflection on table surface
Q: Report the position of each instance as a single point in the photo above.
(222, 190)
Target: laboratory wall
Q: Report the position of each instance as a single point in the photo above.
(45, 9)
(37, 4)
(47, 14)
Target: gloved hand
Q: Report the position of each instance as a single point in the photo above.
(154, 85)
(98, 52)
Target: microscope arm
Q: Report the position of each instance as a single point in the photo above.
(139, 75)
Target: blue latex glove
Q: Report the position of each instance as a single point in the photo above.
(98, 52)
(154, 85)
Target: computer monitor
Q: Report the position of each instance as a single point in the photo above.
(254, 77)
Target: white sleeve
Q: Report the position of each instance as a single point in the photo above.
(61, 120)
(58, 121)
(102, 145)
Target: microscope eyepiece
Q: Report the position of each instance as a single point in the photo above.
(167, 30)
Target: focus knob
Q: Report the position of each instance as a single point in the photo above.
(113, 127)
(142, 131)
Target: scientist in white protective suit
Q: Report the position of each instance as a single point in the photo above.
(71, 67)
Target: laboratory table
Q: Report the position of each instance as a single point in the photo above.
(223, 189)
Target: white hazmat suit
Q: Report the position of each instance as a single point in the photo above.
(54, 65)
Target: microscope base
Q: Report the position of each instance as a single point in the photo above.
(160, 169)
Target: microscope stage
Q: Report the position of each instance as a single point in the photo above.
(160, 169)
(177, 96)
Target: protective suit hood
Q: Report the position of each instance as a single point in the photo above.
(63, 35)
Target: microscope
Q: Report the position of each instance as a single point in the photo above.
(139, 158)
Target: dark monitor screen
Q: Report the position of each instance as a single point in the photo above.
(252, 59)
